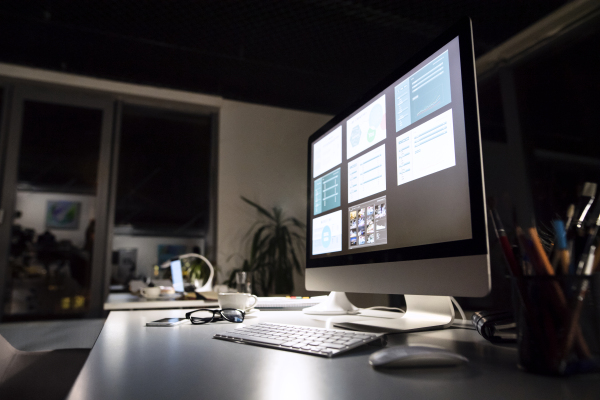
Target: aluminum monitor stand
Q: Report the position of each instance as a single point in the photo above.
(422, 313)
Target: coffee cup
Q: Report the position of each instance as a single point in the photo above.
(150, 292)
(241, 301)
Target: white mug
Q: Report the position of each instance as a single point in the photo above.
(241, 301)
(150, 292)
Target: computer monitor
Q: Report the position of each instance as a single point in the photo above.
(396, 200)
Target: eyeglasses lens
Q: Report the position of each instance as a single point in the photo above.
(233, 315)
(201, 317)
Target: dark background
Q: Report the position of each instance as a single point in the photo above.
(312, 55)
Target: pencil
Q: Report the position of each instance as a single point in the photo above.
(596, 259)
(544, 262)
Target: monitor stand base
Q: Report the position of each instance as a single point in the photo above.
(422, 313)
(335, 304)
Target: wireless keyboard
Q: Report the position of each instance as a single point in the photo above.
(301, 339)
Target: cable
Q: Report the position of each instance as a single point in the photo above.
(460, 310)
(384, 308)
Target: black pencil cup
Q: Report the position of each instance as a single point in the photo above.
(558, 323)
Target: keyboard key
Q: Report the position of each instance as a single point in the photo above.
(352, 341)
(334, 345)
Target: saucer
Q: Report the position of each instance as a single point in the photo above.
(252, 311)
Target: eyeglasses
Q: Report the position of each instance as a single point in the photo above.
(204, 315)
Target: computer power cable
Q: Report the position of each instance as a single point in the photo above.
(458, 307)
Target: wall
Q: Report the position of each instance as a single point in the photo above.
(262, 156)
(33, 208)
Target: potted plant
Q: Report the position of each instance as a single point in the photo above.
(276, 243)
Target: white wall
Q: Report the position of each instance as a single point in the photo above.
(262, 156)
(33, 207)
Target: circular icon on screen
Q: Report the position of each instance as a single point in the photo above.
(326, 236)
(376, 115)
(355, 136)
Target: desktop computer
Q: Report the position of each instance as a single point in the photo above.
(396, 200)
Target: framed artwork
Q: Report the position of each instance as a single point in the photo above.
(62, 214)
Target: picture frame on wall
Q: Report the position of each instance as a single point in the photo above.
(62, 214)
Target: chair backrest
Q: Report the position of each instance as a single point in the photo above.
(46, 374)
(7, 354)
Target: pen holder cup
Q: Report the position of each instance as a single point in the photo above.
(558, 323)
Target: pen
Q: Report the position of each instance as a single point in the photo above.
(574, 225)
(543, 264)
(573, 325)
(524, 250)
(509, 256)
(570, 214)
(561, 255)
(596, 259)
(588, 194)
(588, 250)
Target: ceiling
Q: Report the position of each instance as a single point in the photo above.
(306, 54)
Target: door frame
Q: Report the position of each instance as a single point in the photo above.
(14, 122)
(178, 107)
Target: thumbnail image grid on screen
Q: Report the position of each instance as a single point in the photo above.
(396, 167)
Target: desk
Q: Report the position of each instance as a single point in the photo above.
(128, 301)
(131, 361)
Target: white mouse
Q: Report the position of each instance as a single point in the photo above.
(415, 356)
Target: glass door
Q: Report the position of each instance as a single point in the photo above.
(164, 193)
(54, 197)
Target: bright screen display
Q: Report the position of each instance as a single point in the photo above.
(393, 173)
(177, 275)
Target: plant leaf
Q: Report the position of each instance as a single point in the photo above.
(259, 208)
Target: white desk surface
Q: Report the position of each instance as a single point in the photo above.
(128, 301)
(132, 361)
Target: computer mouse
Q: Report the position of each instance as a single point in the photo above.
(415, 357)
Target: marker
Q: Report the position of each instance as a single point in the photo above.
(561, 254)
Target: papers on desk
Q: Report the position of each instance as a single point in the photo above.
(285, 303)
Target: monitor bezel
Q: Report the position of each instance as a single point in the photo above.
(478, 244)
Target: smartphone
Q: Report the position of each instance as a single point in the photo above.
(167, 322)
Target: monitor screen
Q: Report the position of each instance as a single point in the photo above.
(177, 275)
(393, 174)
(398, 176)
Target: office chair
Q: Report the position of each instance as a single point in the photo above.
(38, 374)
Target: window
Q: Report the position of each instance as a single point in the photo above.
(164, 173)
